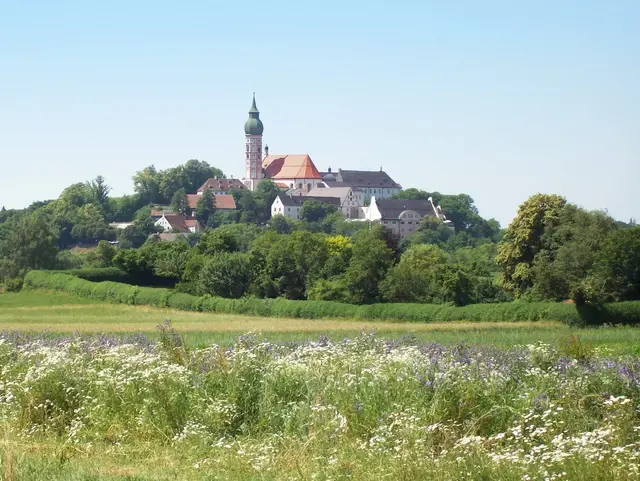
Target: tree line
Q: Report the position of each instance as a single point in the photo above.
(553, 250)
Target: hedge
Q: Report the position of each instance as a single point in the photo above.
(615, 313)
(114, 274)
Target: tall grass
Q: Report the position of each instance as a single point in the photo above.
(358, 409)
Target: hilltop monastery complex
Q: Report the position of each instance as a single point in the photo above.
(360, 195)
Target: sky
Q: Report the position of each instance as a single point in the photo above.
(497, 99)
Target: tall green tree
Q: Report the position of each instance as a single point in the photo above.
(314, 211)
(616, 276)
(31, 243)
(226, 274)
(179, 202)
(146, 184)
(206, 207)
(197, 172)
(370, 261)
(99, 192)
(522, 240)
(568, 252)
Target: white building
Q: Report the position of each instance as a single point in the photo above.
(351, 200)
(402, 216)
(371, 183)
(290, 206)
(178, 222)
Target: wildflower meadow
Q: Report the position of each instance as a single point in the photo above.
(360, 408)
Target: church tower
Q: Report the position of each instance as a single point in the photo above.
(253, 129)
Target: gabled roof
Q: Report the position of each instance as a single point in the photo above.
(392, 208)
(192, 223)
(221, 185)
(290, 167)
(223, 201)
(169, 236)
(298, 200)
(367, 178)
(337, 192)
(177, 221)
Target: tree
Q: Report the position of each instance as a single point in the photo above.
(616, 275)
(226, 274)
(282, 224)
(124, 208)
(102, 256)
(370, 260)
(460, 210)
(171, 181)
(206, 207)
(99, 192)
(314, 211)
(264, 195)
(179, 202)
(287, 265)
(523, 240)
(75, 195)
(197, 172)
(228, 238)
(169, 259)
(146, 184)
(568, 252)
(413, 194)
(31, 243)
(249, 209)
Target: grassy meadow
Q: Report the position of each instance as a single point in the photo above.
(84, 397)
(59, 313)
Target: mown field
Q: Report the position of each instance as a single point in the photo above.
(58, 313)
(83, 397)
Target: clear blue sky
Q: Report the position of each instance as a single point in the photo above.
(497, 99)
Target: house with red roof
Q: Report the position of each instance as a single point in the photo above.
(223, 202)
(170, 222)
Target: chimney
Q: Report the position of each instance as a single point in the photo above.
(266, 150)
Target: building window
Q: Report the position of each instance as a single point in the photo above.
(409, 222)
(402, 222)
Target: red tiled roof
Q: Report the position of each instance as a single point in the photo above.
(221, 185)
(282, 185)
(177, 221)
(290, 167)
(192, 200)
(223, 202)
(192, 223)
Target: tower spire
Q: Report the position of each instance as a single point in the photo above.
(254, 109)
(253, 129)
